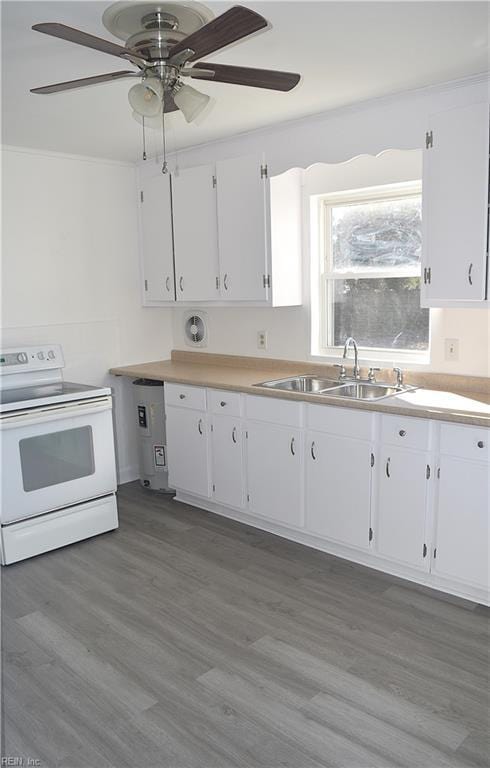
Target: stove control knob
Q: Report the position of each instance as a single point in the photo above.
(51, 354)
(40, 355)
(22, 357)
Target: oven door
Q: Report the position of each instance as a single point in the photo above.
(56, 456)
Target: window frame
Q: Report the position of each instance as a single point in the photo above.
(327, 275)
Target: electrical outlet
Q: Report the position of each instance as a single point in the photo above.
(451, 349)
(261, 339)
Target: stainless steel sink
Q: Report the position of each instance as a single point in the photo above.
(351, 390)
(364, 391)
(306, 384)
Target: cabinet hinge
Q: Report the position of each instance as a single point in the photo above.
(248, 497)
(438, 473)
(214, 488)
(370, 534)
(427, 472)
(266, 279)
(146, 285)
(435, 552)
(246, 434)
(142, 197)
(212, 429)
(427, 275)
(217, 283)
(424, 551)
(429, 140)
(215, 181)
(264, 171)
(372, 459)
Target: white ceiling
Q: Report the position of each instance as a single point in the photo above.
(345, 51)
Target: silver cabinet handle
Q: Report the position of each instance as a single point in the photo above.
(223, 403)
(480, 444)
(225, 281)
(312, 451)
(182, 397)
(291, 446)
(233, 434)
(402, 433)
(388, 467)
(181, 283)
(199, 426)
(470, 269)
(167, 284)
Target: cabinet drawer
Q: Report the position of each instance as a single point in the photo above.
(465, 442)
(405, 431)
(185, 396)
(273, 410)
(227, 403)
(346, 422)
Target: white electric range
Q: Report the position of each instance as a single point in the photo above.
(58, 478)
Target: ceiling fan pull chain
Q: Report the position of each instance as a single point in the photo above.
(164, 166)
(144, 138)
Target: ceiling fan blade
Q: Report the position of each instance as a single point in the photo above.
(257, 78)
(89, 41)
(69, 84)
(233, 25)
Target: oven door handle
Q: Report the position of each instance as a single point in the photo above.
(54, 413)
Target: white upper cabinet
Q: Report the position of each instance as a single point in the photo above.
(243, 226)
(236, 235)
(157, 254)
(259, 232)
(195, 234)
(455, 207)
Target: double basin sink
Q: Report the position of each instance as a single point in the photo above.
(352, 390)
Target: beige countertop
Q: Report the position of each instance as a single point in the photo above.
(463, 399)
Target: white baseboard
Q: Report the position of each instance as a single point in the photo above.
(127, 475)
(363, 557)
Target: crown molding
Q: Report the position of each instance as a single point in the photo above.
(65, 156)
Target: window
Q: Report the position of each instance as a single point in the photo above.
(370, 270)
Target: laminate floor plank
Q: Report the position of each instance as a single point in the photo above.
(187, 640)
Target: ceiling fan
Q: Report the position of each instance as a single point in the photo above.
(163, 40)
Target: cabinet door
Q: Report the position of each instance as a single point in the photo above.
(462, 528)
(274, 465)
(227, 461)
(338, 488)
(400, 527)
(157, 256)
(195, 234)
(243, 228)
(187, 443)
(455, 200)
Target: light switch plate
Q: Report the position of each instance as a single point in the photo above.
(451, 349)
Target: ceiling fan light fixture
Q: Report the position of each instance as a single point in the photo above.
(150, 122)
(146, 98)
(190, 102)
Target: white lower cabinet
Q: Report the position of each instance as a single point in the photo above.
(188, 450)
(401, 506)
(421, 512)
(275, 472)
(338, 488)
(228, 473)
(461, 546)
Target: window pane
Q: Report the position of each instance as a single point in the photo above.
(376, 235)
(56, 457)
(383, 313)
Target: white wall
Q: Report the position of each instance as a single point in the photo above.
(70, 273)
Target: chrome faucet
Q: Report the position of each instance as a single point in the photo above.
(350, 341)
